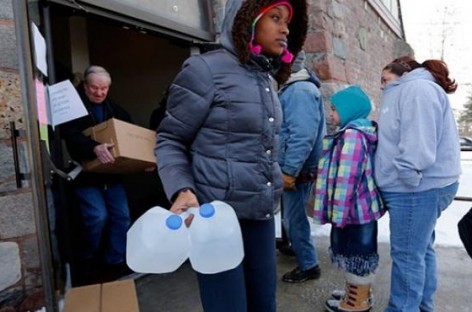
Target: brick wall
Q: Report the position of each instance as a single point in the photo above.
(348, 43)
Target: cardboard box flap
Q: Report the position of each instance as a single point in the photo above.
(83, 299)
(100, 127)
(119, 296)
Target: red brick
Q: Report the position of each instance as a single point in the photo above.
(318, 42)
(33, 302)
(330, 68)
(7, 22)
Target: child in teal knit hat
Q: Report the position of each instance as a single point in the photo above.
(350, 104)
(347, 197)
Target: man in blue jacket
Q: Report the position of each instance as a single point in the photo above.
(302, 131)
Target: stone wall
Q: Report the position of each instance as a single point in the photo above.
(20, 273)
(348, 43)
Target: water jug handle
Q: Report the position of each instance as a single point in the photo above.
(205, 211)
(190, 211)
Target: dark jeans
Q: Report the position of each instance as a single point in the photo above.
(106, 220)
(252, 285)
(354, 248)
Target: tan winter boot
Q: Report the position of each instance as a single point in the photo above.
(338, 294)
(356, 298)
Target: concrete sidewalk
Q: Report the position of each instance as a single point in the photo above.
(178, 291)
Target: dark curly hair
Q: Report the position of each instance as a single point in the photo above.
(297, 27)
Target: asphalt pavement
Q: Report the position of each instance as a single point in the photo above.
(178, 291)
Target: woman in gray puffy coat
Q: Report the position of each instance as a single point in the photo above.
(219, 140)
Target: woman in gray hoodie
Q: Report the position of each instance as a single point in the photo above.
(417, 168)
(219, 140)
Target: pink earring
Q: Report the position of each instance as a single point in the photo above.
(256, 49)
(287, 57)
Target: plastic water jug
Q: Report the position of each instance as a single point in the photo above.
(158, 242)
(216, 243)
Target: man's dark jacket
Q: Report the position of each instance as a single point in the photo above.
(80, 147)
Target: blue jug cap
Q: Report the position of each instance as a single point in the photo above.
(207, 210)
(174, 222)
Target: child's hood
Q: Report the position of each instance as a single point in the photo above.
(351, 103)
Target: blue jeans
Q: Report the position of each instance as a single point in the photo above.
(354, 248)
(106, 221)
(412, 221)
(297, 225)
(250, 287)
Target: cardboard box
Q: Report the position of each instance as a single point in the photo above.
(133, 150)
(118, 296)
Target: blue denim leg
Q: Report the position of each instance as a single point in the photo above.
(104, 212)
(260, 264)
(297, 225)
(354, 248)
(118, 223)
(251, 286)
(225, 291)
(94, 215)
(413, 217)
(431, 280)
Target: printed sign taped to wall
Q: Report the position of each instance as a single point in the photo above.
(64, 103)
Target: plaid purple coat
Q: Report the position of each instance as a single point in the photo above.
(345, 191)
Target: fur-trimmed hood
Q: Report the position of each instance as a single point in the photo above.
(235, 34)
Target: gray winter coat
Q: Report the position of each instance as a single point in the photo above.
(220, 133)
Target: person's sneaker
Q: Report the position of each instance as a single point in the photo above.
(332, 305)
(299, 276)
(338, 294)
(286, 250)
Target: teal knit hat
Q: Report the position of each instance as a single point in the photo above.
(351, 103)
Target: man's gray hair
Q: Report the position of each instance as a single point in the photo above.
(96, 70)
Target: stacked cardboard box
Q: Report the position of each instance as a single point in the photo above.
(119, 296)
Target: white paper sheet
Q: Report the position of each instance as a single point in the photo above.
(39, 50)
(64, 103)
